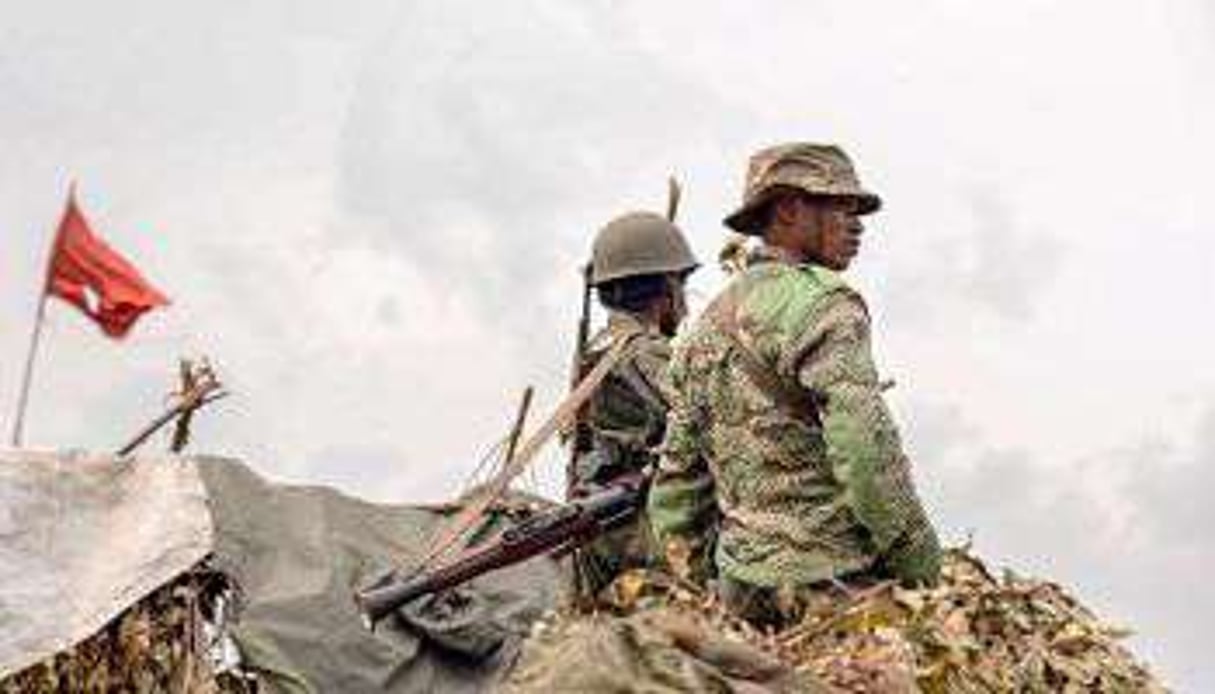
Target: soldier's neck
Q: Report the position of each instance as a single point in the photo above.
(780, 254)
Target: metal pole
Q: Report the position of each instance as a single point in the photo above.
(27, 377)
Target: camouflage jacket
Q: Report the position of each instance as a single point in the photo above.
(771, 492)
(624, 422)
(627, 415)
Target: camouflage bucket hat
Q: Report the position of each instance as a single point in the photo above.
(817, 169)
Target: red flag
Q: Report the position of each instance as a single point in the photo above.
(81, 263)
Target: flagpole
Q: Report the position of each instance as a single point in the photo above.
(27, 376)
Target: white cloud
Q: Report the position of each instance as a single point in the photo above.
(370, 216)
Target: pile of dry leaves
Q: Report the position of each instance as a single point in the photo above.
(975, 632)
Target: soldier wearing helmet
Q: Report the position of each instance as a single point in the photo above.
(782, 472)
(639, 262)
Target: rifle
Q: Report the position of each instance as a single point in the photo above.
(553, 532)
(579, 433)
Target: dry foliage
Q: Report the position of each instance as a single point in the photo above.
(975, 632)
(155, 646)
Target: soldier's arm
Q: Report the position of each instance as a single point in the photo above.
(862, 441)
(681, 507)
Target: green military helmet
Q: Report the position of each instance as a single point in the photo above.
(639, 243)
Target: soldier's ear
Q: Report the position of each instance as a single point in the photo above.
(785, 208)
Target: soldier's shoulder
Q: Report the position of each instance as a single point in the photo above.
(782, 278)
(825, 278)
(701, 338)
(789, 294)
(652, 352)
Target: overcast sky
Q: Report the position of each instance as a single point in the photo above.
(370, 214)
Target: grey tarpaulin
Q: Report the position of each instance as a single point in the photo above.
(298, 551)
(83, 537)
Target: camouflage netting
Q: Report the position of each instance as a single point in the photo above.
(974, 633)
(158, 645)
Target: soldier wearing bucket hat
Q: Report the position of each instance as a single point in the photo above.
(822, 171)
(782, 471)
(639, 262)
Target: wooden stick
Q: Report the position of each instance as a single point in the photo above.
(199, 387)
(520, 419)
(446, 538)
(166, 417)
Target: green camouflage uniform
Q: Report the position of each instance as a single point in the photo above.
(625, 419)
(762, 494)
